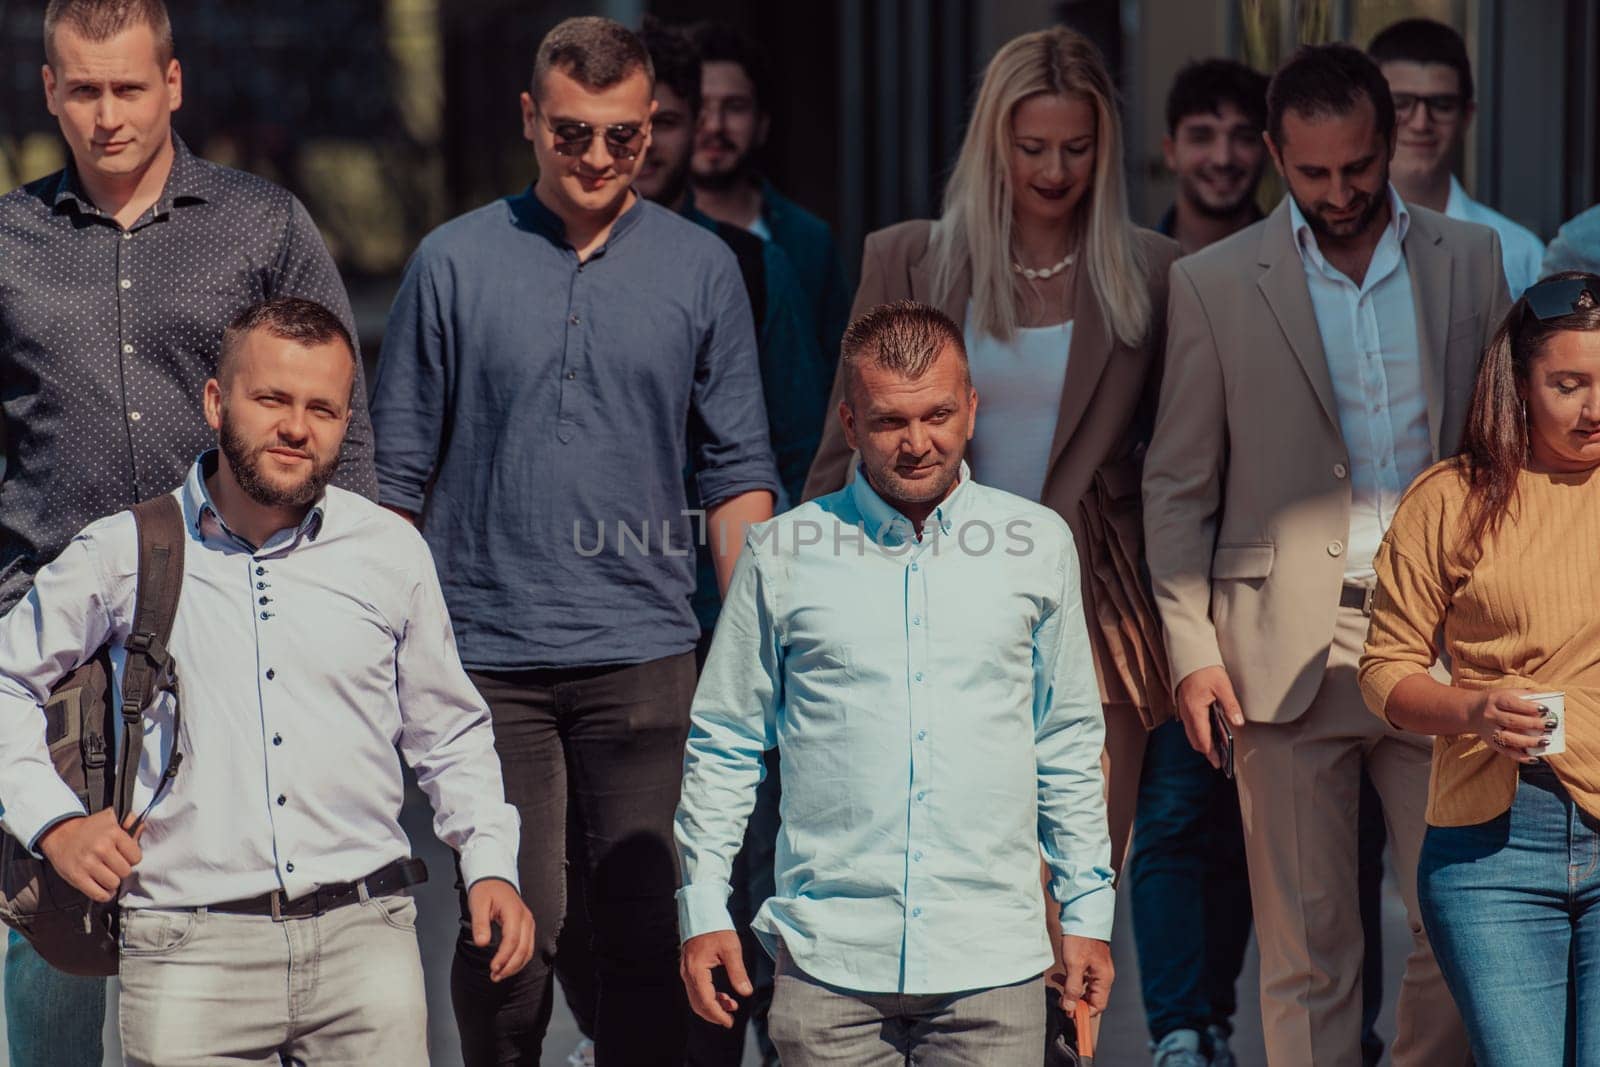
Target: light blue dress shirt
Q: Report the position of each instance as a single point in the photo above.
(1370, 340)
(935, 705)
(303, 663)
(1520, 248)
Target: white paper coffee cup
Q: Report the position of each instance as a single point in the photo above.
(1555, 704)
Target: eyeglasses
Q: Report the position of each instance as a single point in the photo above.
(623, 141)
(1439, 105)
(1556, 297)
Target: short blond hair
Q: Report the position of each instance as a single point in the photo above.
(101, 20)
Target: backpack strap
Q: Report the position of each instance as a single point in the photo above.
(148, 668)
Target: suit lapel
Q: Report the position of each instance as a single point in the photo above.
(1283, 284)
(1428, 262)
(954, 303)
(1087, 356)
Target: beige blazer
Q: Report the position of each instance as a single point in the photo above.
(1107, 402)
(1246, 483)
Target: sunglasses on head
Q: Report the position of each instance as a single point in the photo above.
(623, 140)
(1555, 297)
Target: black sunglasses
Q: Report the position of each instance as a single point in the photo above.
(1556, 297)
(623, 140)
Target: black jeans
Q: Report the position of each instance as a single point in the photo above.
(617, 735)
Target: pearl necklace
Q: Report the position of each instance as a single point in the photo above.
(1043, 272)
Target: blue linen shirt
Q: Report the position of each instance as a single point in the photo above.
(935, 706)
(550, 403)
(305, 663)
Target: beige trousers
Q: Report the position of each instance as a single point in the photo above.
(1299, 784)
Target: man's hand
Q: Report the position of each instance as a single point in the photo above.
(1089, 973)
(495, 900)
(1196, 693)
(702, 955)
(92, 853)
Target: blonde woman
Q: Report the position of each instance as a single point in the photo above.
(1062, 301)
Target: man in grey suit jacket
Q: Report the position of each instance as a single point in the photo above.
(1316, 363)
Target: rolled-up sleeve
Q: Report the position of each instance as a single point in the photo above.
(448, 739)
(1069, 734)
(734, 720)
(410, 397)
(728, 417)
(57, 627)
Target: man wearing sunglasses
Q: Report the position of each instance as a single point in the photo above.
(552, 362)
(1425, 63)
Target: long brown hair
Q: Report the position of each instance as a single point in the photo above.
(1494, 445)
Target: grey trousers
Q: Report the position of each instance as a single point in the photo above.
(344, 988)
(817, 1025)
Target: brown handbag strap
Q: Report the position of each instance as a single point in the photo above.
(148, 668)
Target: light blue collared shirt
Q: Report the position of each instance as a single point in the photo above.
(936, 708)
(1369, 337)
(304, 663)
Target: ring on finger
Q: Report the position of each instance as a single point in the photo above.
(1497, 738)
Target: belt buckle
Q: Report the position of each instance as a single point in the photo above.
(1366, 600)
(277, 905)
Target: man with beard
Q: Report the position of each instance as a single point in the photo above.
(312, 639)
(794, 384)
(117, 276)
(1430, 77)
(1316, 362)
(1189, 893)
(915, 647)
(733, 128)
(553, 362)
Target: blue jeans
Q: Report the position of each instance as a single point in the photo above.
(1512, 907)
(1190, 887)
(52, 1019)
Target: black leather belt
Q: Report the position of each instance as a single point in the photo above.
(1358, 597)
(382, 882)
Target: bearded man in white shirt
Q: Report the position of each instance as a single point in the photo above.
(264, 914)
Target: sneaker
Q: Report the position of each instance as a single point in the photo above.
(1181, 1048)
(1221, 1054)
(583, 1055)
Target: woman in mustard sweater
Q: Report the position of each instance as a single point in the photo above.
(1498, 550)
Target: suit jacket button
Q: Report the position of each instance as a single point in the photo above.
(1339, 470)
(1335, 548)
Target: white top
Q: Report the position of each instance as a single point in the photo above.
(1019, 397)
(1519, 247)
(305, 662)
(760, 228)
(1369, 336)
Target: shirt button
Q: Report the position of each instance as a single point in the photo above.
(261, 585)
(916, 857)
(282, 800)
(575, 320)
(1335, 547)
(261, 570)
(1339, 470)
(264, 600)
(913, 566)
(126, 284)
(916, 913)
(266, 615)
(271, 674)
(127, 235)
(127, 348)
(919, 676)
(134, 416)
(922, 735)
(277, 739)
(920, 796)
(289, 867)
(916, 620)
(571, 374)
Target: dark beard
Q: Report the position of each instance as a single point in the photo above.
(245, 463)
(741, 173)
(1219, 214)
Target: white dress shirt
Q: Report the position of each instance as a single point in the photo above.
(302, 665)
(1369, 336)
(1520, 248)
(1019, 399)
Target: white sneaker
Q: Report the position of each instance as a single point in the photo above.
(1181, 1048)
(583, 1055)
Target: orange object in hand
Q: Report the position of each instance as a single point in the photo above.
(1085, 1028)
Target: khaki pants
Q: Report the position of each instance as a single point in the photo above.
(1299, 784)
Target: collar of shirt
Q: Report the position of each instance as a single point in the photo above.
(185, 184)
(887, 526)
(201, 513)
(1459, 204)
(533, 214)
(1384, 258)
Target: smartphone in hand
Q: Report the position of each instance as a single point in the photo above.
(1221, 740)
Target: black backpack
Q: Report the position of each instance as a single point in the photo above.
(71, 932)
